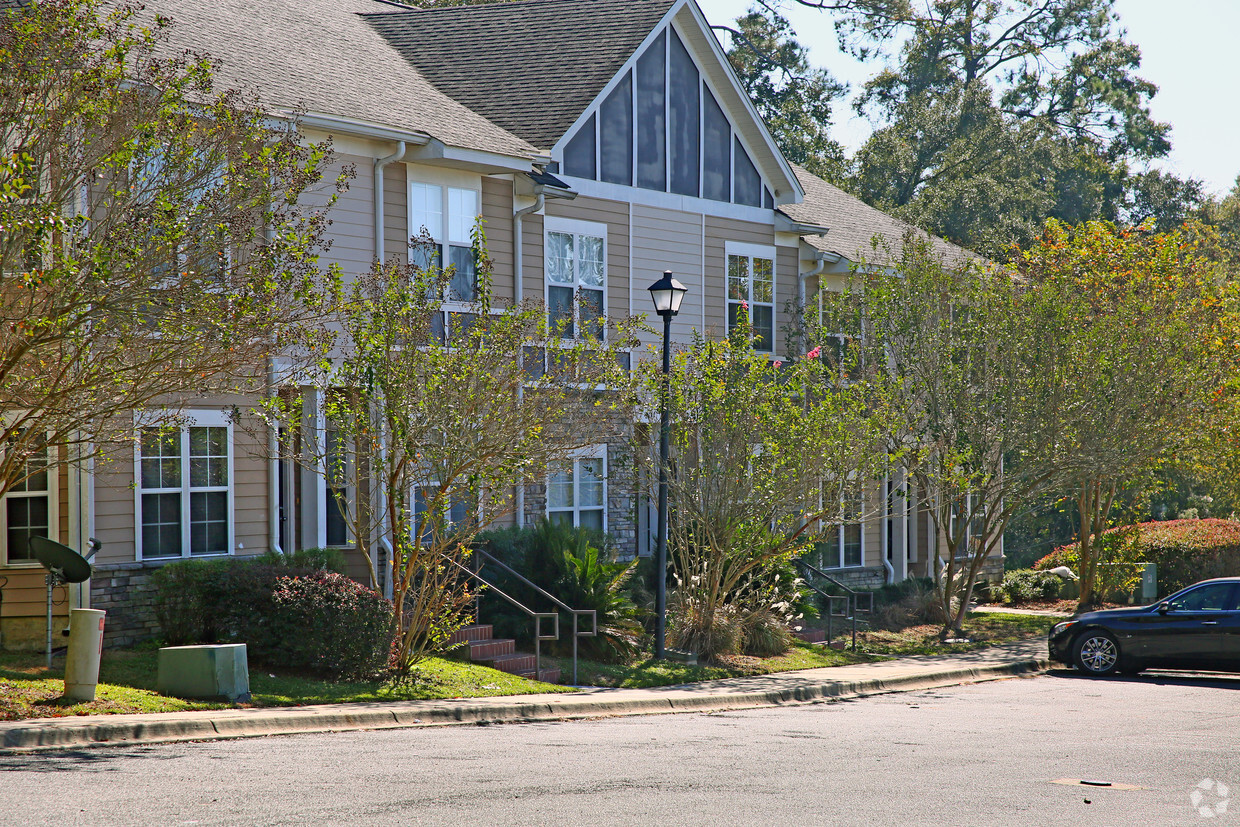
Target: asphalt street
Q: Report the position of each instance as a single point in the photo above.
(985, 754)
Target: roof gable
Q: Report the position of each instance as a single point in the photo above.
(529, 66)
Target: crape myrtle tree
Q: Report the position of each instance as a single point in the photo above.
(765, 457)
(153, 245)
(1139, 348)
(942, 345)
(433, 418)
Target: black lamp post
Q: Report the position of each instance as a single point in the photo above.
(667, 294)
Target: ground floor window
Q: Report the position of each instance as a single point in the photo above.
(577, 490)
(29, 507)
(184, 492)
(844, 544)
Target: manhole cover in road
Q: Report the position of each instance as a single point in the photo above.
(1095, 784)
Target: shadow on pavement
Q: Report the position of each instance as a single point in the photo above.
(1158, 677)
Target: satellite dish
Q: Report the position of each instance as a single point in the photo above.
(65, 564)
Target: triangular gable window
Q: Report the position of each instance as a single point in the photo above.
(662, 128)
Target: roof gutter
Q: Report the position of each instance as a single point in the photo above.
(362, 129)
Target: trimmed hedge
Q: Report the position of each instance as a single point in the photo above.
(1185, 551)
(329, 624)
(326, 624)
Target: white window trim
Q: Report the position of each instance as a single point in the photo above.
(445, 180)
(193, 419)
(53, 513)
(598, 451)
(576, 227)
(752, 251)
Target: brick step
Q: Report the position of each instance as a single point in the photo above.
(812, 635)
(513, 664)
(549, 675)
(484, 650)
(480, 631)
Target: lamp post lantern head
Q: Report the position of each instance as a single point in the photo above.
(667, 293)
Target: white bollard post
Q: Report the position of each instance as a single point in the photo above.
(85, 649)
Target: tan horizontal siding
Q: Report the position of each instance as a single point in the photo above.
(669, 240)
(532, 258)
(396, 230)
(352, 216)
(497, 214)
(25, 595)
(787, 264)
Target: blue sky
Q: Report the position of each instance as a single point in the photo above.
(1189, 49)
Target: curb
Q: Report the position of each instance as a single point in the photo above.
(65, 733)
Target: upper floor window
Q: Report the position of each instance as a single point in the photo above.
(576, 268)
(661, 127)
(29, 507)
(751, 282)
(184, 492)
(447, 215)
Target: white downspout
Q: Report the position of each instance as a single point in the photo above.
(518, 287)
(274, 489)
(380, 163)
(887, 529)
(821, 259)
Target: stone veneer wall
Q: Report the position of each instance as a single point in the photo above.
(870, 577)
(621, 491)
(126, 593)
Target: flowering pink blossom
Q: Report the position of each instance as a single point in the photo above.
(814, 354)
(745, 305)
(778, 364)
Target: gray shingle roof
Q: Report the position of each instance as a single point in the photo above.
(530, 66)
(321, 54)
(853, 223)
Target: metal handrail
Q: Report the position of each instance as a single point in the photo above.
(852, 598)
(537, 617)
(576, 613)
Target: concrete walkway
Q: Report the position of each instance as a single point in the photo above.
(1027, 657)
(1013, 610)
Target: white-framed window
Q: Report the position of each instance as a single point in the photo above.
(448, 215)
(843, 545)
(577, 489)
(184, 495)
(459, 504)
(29, 509)
(751, 282)
(339, 493)
(576, 277)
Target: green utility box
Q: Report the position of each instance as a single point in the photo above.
(216, 671)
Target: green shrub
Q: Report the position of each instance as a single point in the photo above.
(571, 564)
(1185, 551)
(912, 602)
(328, 624)
(231, 600)
(1026, 585)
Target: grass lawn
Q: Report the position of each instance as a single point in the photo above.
(981, 630)
(646, 671)
(128, 678)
